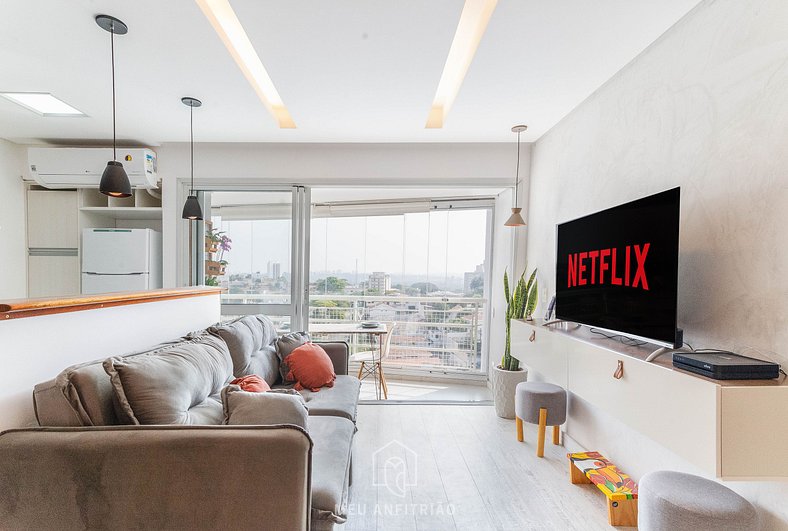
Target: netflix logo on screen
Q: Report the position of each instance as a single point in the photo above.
(608, 266)
(617, 269)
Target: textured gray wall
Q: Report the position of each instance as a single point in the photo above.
(705, 108)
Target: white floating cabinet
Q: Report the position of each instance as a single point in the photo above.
(735, 430)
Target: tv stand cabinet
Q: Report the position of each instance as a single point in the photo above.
(735, 430)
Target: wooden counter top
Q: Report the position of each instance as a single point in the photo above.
(15, 309)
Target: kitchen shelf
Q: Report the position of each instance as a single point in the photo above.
(125, 212)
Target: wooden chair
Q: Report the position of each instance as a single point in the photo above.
(372, 360)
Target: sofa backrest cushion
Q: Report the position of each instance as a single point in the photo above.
(178, 385)
(252, 344)
(82, 395)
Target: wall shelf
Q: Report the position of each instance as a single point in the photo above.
(732, 429)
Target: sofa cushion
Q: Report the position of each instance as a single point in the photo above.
(284, 346)
(178, 385)
(333, 440)
(252, 383)
(273, 407)
(310, 367)
(252, 344)
(338, 401)
(82, 395)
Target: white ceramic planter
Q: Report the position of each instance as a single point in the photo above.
(504, 384)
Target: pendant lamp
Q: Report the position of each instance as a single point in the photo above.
(516, 219)
(114, 181)
(192, 209)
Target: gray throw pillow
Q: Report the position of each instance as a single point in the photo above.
(284, 346)
(279, 406)
(179, 385)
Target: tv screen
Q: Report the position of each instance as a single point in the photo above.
(618, 269)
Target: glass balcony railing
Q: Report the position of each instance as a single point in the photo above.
(442, 334)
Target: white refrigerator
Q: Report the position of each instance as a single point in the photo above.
(120, 260)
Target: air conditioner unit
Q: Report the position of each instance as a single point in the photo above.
(82, 167)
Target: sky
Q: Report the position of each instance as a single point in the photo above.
(436, 243)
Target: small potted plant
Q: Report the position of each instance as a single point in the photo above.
(218, 267)
(520, 303)
(212, 239)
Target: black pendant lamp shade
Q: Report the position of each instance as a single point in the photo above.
(516, 219)
(192, 209)
(114, 181)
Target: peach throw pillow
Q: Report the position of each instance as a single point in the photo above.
(310, 367)
(252, 384)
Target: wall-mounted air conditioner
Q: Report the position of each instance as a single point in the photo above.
(82, 167)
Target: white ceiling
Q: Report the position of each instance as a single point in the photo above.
(347, 70)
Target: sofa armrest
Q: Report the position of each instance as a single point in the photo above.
(339, 352)
(164, 477)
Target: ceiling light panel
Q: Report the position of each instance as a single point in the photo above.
(42, 103)
(470, 30)
(226, 24)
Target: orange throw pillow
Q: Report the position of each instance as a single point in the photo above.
(252, 384)
(310, 367)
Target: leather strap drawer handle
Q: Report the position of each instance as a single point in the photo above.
(533, 336)
(619, 370)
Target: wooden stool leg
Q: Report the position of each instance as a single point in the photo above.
(622, 512)
(360, 370)
(540, 435)
(556, 435)
(576, 475)
(519, 422)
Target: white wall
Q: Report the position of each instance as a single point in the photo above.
(509, 244)
(704, 108)
(35, 349)
(13, 246)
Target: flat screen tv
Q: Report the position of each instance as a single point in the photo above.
(618, 269)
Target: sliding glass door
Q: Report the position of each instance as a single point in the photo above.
(254, 246)
(421, 265)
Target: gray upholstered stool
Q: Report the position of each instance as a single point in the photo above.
(543, 404)
(683, 502)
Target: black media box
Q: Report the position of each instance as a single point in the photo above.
(726, 366)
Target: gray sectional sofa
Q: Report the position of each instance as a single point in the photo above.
(139, 441)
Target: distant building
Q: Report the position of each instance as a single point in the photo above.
(470, 277)
(379, 281)
(274, 270)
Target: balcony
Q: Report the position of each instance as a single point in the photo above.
(432, 334)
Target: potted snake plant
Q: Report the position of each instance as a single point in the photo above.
(520, 303)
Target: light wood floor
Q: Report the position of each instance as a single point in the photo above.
(470, 473)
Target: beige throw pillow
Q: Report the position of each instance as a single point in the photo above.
(278, 406)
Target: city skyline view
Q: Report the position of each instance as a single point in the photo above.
(438, 247)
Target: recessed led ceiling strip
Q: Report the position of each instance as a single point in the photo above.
(226, 24)
(470, 30)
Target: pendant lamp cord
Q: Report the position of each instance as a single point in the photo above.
(191, 140)
(517, 176)
(112, 48)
